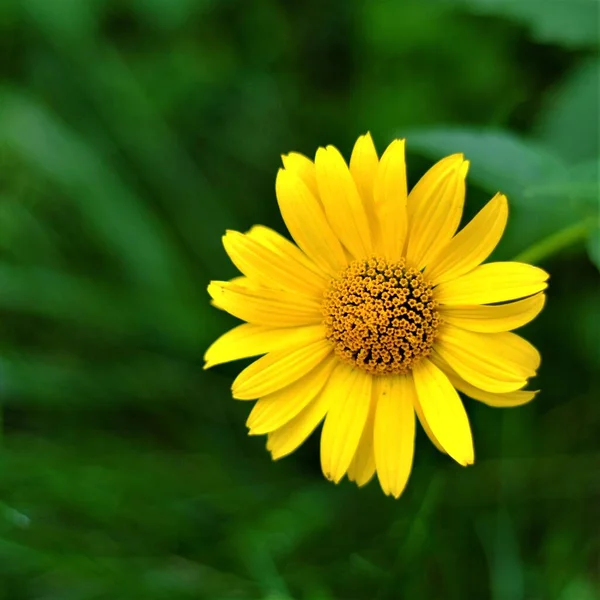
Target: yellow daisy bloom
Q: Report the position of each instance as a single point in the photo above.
(380, 312)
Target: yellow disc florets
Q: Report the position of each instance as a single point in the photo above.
(381, 316)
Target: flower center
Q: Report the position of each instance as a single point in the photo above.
(380, 316)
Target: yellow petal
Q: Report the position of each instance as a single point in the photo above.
(493, 319)
(390, 194)
(279, 369)
(248, 340)
(425, 425)
(444, 412)
(472, 244)
(363, 166)
(275, 410)
(493, 282)
(303, 167)
(245, 282)
(517, 398)
(436, 212)
(395, 433)
(240, 281)
(277, 243)
(343, 205)
(362, 467)
(508, 350)
(261, 306)
(286, 439)
(422, 190)
(495, 362)
(270, 268)
(345, 421)
(307, 224)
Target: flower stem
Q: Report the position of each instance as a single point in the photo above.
(556, 242)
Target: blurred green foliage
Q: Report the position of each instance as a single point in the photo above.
(132, 134)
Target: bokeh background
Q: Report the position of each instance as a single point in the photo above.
(132, 134)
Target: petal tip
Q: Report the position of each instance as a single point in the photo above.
(465, 461)
(276, 454)
(359, 483)
(321, 153)
(331, 476)
(281, 174)
(240, 390)
(237, 390)
(469, 458)
(213, 288)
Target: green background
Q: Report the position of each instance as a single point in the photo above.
(132, 134)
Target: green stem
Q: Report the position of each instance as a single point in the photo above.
(556, 242)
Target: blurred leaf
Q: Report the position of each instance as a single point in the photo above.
(275, 537)
(569, 124)
(500, 161)
(579, 189)
(168, 13)
(68, 19)
(580, 589)
(51, 293)
(574, 195)
(128, 108)
(12, 517)
(586, 324)
(579, 185)
(571, 23)
(594, 246)
(555, 243)
(286, 527)
(501, 546)
(106, 308)
(530, 479)
(124, 222)
(112, 521)
(25, 236)
(410, 551)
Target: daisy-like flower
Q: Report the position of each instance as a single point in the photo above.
(378, 314)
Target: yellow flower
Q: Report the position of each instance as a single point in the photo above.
(380, 312)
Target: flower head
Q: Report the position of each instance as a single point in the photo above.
(378, 314)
